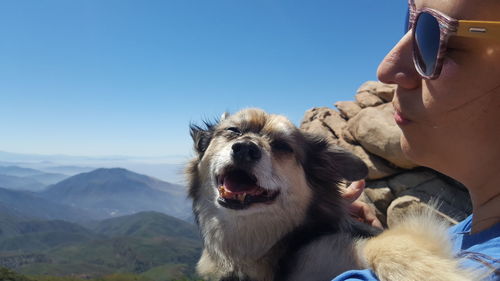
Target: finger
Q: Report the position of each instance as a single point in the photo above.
(370, 216)
(354, 190)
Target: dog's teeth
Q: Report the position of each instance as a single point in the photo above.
(222, 190)
(242, 197)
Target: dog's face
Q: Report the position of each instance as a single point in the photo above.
(255, 179)
(252, 161)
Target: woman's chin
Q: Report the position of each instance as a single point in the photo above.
(414, 149)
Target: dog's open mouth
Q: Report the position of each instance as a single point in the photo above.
(239, 190)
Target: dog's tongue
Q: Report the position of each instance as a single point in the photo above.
(239, 181)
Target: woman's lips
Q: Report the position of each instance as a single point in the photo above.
(400, 119)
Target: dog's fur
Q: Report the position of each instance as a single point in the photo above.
(305, 233)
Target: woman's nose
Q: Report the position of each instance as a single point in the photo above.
(397, 67)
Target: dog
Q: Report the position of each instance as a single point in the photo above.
(267, 201)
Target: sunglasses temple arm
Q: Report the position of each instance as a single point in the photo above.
(479, 29)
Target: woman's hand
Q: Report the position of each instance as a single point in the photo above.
(358, 209)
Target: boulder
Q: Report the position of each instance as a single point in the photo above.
(380, 194)
(385, 92)
(348, 137)
(309, 116)
(366, 99)
(329, 118)
(395, 185)
(333, 121)
(382, 90)
(375, 129)
(453, 202)
(401, 207)
(411, 179)
(317, 127)
(348, 109)
(377, 167)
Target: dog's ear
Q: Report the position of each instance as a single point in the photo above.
(348, 165)
(202, 136)
(335, 163)
(224, 116)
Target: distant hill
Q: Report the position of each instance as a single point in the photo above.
(66, 170)
(30, 204)
(20, 183)
(148, 243)
(20, 178)
(147, 224)
(116, 191)
(37, 235)
(18, 171)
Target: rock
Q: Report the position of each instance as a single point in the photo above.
(453, 202)
(369, 86)
(409, 180)
(366, 99)
(385, 92)
(348, 109)
(329, 118)
(375, 129)
(348, 137)
(317, 127)
(380, 194)
(377, 167)
(334, 121)
(309, 116)
(328, 123)
(403, 206)
(395, 185)
(382, 90)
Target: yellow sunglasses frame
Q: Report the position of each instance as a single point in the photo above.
(478, 29)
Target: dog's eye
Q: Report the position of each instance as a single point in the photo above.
(280, 145)
(234, 130)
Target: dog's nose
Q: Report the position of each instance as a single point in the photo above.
(246, 152)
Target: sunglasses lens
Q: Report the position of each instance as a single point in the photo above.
(427, 39)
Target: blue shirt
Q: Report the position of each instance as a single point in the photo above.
(480, 251)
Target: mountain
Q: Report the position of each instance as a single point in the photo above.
(149, 243)
(36, 235)
(18, 171)
(147, 224)
(30, 204)
(116, 191)
(20, 183)
(66, 170)
(21, 178)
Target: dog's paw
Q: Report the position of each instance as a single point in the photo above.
(419, 248)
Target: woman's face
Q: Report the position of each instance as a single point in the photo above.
(459, 112)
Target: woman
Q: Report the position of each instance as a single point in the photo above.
(448, 106)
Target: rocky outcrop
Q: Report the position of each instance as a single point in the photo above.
(395, 184)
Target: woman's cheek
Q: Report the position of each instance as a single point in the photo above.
(450, 70)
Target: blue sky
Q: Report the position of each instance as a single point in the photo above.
(121, 77)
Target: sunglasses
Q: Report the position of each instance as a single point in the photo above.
(431, 30)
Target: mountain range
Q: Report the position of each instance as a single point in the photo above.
(95, 223)
(20, 178)
(116, 192)
(147, 243)
(95, 195)
(32, 205)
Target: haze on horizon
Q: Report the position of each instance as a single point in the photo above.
(103, 78)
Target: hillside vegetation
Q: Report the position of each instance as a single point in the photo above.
(151, 245)
(9, 275)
